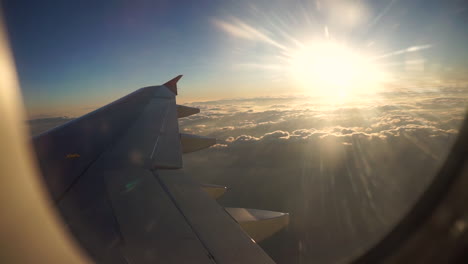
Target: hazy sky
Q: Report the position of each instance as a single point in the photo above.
(73, 56)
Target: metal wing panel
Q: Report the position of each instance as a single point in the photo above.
(153, 139)
(90, 217)
(167, 151)
(65, 152)
(150, 226)
(153, 229)
(217, 230)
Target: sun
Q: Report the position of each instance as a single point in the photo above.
(331, 69)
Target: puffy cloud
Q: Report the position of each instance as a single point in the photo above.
(219, 146)
(346, 134)
(276, 135)
(243, 139)
(228, 128)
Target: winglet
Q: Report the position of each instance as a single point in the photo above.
(172, 84)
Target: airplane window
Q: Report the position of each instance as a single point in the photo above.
(338, 112)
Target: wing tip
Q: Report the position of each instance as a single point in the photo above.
(172, 84)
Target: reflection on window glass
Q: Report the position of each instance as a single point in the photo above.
(338, 112)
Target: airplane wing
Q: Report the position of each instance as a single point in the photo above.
(116, 178)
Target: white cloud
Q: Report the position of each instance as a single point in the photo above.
(240, 29)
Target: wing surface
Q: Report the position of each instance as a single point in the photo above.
(115, 177)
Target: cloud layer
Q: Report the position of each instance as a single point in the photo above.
(346, 172)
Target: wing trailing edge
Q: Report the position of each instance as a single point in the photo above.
(259, 224)
(191, 143)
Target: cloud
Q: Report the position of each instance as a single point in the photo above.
(218, 146)
(242, 139)
(276, 135)
(345, 173)
(238, 28)
(345, 134)
(403, 51)
(228, 128)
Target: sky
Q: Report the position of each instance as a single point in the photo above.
(73, 57)
(338, 112)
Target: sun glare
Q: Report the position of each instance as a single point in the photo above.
(331, 69)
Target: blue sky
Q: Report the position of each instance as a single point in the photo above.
(81, 54)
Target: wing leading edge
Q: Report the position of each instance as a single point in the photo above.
(115, 177)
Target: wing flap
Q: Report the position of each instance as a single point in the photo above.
(213, 190)
(192, 143)
(259, 224)
(184, 111)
